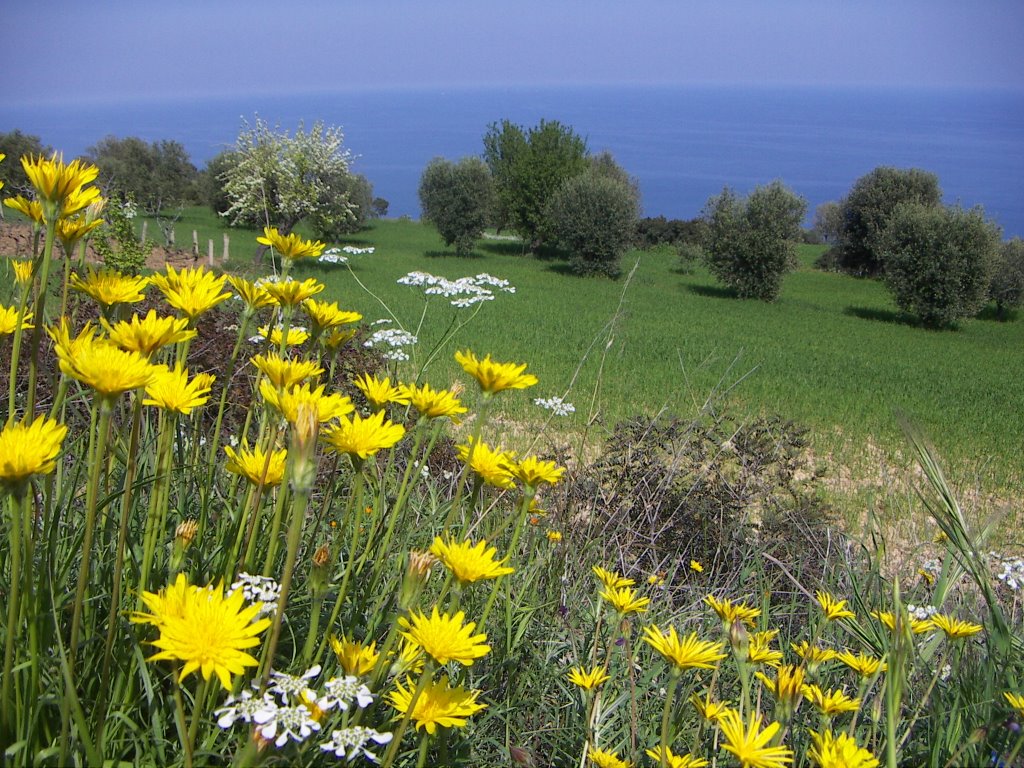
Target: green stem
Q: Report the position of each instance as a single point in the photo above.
(666, 718)
(389, 756)
(13, 621)
(39, 318)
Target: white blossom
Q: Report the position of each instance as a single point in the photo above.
(340, 692)
(349, 743)
(283, 723)
(258, 589)
(556, 405)
(351, 249)
(463, 292)
(294, 686)
(244, 708)
(393, 339)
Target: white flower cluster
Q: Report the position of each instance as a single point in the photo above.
(556, 405)
(921, 612)
(333, 256)
(258, 589)
(464, 292)
(393, 339)
(353, 251)
(285, 712)
(506, 238)
(1012, 571)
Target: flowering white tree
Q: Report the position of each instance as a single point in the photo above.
(277, 180)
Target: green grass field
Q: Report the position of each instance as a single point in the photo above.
(832, 353)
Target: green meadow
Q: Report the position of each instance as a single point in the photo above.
(832, 353)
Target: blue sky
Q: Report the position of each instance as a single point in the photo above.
(121, 49)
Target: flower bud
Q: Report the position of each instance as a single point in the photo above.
(416, 575)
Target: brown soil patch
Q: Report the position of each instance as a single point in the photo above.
(16, 241)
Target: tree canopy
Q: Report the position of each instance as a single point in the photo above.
(157, 175)
(457, 198)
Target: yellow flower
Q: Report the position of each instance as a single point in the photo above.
(290, 246)
(611, 579)
(437, 705)
(355, 658)
(554, 536)
(444, 638)
(363, 437)
(59, 186)
(254, 295)
(606, 759)
(287, 401)
(786, 688)
(834, 609)
(495, 377)
(106, 369)
(696, 566)
(208, 632)
(284, 373)
(729, 612)
(296, 336)
(813, 655)
(290, 293)
(108, 287)
(689, 653)
(148, 335)
(750, 745)
(379, 392)
(624, 600)
(469, 562)
(432, 403)
(531, 471)
(11, 320)
(917, 626)
(337, 337)
(493, 466)
(676, 761)
(839, 751)
(168, 602)
(588, 679)
(32, 209)
(192, 291)
(71, 230)
(954, 628)
(1016, 701)
(171, 390)
(830, 703)
(325, 316)
(28, 449)
(708, 709)
(256, 466)
(22, 270)
(760, 651)
(865, 666)
(408, 659)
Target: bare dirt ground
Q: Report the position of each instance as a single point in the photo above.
(16, 240)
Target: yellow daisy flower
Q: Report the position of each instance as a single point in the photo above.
(610, 579)
(379, 392)
(606, 759)
(830, 703)
(100, 365)
(59, 186)
(192, 291)
(954, 628)
(444, 638)
(917, 626)
(291, 293)
(840, 751)
(493, 466)
(696, 566)
(469, 562)
(1016, 701)
(833, 608)
(690, 653)
(70, 231)
(171, 390)
(28, 449)
(554, 536)
(284, 373)
(287, 401)
(168, 602)
(208, 632)
(11, 320)
(760, 650)
(296, 336)
(32, 209)
(432, 403)
(22, 270)
(708, 709)
(256, 466)
(495, 377)
(254, 296)
(813, 655)
(108, 287)
(337, 337)
(675, 761)
(786, 688)
(325, 316)
(355, 658)
(865, 666)
(363, 437)
(532, 472)
(588, 679)
(290, 246)
(148, 335)
(625, 600)
(729, 612)
(750, 745)
(437, 705)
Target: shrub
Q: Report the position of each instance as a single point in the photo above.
(656, 230)
(1007, 285)
(593, 217)
(119, 245)
(938, 261)
(457, 198)
(865, 213)
(750, 242)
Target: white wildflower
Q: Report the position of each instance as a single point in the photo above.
(556, 405)
(244, 708)
(349, 743)
(340, 692)
(283, 723)
(258, 589)
(294, 686)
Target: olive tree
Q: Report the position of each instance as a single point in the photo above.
(750, 244)
(1007, 286)
(457, 199)
(158, 175)
(939, 261)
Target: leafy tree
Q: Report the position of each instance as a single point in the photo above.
(939, 261)
(866, 211)
(380, 207)
(828, 221)
(1007, 285)
(16, 145)
(593, 216)
(157, 176)
(210, 184)
(279, 180)
(750, 242)
(457, 198)
(528, 167)
(348, 205)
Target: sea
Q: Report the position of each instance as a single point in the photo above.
(682, 143)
